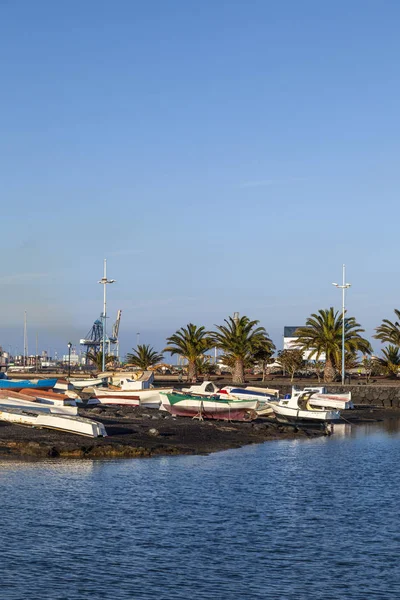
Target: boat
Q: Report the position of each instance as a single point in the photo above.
(321, 398)
(9, 399)
(212, 407)
(79, 384)
(207, 388)
(129, 380)
(297, 408)
(69, 424)
(112, 396)
(251, 393)
(19, 384)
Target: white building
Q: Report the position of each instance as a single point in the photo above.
(290, 342)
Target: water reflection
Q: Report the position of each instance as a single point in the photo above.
(390, 426)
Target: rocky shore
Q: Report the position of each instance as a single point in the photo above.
(138, 432)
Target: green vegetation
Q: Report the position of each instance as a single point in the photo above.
(389, 332)
(322, 334)
(291, 361)
(144, 357)
(190, 342)
(240, 339)
(391, 360)
(97, 359)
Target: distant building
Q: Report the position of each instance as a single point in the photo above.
(290, 342)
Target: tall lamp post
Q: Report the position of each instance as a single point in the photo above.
(104, 281)
(343, 287)
(69, 359)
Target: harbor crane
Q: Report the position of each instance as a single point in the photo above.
(93, 340)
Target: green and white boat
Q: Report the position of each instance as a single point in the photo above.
(208, 407)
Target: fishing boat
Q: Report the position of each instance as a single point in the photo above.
(112, 396)
(69, 424)
(212, 407)
(250, 393)
(9, 399)
(298, 408)
(147, 398)
(79, 384)
(321, 398)
(207, 388)
(34, 384)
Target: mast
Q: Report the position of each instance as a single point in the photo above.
(25, 340)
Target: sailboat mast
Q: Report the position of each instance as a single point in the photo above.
(25, 341)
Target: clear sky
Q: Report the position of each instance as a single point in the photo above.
(223, 155)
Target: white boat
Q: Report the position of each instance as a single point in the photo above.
(263, 395)
(69, 424)
(108, 396)
(320, 398)
(79, 384)
(62, 406)
(129, 380)
(298, 408)
(149, 398)
(207, 388)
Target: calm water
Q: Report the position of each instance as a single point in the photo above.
(286, 520)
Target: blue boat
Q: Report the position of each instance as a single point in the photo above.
(34, 384)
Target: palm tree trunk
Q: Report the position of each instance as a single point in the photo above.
(329, 371)
(238, 371)
(192, 371)
(264, 370)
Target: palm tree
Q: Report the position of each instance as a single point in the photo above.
(389, 332)
(322, 334)
(239, 339)
(190, 342)
(391, 360)
(143, 357)
(96, 358)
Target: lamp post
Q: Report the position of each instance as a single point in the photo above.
(343, 287)
(69, 359)
(104, 281)
(137, 339)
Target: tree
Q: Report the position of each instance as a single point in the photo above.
(291, 361)
(190, 342)
(389, 332)
(322, 334)
(391, 360)
(318, 367)
(96, 358)
(263, 355)
(239, 339)
(205, 366)
(143, 357)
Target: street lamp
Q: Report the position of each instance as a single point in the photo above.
(69, 359)
(343, 287)
(137, 339)
(105, 281)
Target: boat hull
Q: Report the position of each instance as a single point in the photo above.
(207, 408)
(286, 413)
(18, 384)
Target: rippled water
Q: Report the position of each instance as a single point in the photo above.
(286, 520)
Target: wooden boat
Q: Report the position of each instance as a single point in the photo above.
(112, 396)
(79, 384)
(298, 408)
(19, 384)
(39, 400)
(129, 380)
(69, 424)
(250, 393)
(320, 398)
(213, 407)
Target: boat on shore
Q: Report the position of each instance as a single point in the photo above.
(212, 407)
(111, 396)
(297, 408)
(34, 384)
(321, 398)
(80, 384)
(66, 423)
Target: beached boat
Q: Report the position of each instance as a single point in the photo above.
(207, 388)
(112, 396)
(212, 407)
(129, 380)
(321, 398)
(79, 384)
(250, 393)
(19, 384)
(69, 424)
(298, 408)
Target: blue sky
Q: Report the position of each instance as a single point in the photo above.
(223, 156)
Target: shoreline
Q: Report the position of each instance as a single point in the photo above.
(135, 432)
